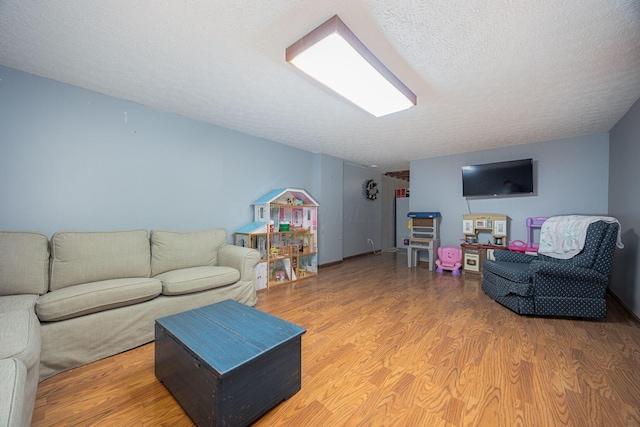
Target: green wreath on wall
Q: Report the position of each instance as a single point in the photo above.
(371, 189)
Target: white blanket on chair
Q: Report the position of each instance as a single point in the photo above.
(563, 237)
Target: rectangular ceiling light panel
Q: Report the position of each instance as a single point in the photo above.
(334, 56)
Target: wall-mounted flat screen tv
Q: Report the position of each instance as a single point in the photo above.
(498, 179)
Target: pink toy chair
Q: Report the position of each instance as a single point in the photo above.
(449, 258)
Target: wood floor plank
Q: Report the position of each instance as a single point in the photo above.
(388, 345)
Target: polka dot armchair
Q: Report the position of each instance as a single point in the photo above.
(540, 285)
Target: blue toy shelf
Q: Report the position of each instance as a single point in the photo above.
(423, 214)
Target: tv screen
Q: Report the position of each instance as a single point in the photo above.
(498, 179)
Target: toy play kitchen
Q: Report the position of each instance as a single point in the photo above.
(477, 229)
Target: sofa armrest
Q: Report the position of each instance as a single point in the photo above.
(567, 271)
(551, 279)
(242, 259)
(511, 256)
(13, 393)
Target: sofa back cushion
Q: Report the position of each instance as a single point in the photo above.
(84, 257)
(173, 250)
(593, 240)
(598, 241)
(24, 263)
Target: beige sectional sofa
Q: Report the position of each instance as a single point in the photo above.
(84, 296)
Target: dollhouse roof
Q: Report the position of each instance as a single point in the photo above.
(281, 195)
(254, 227)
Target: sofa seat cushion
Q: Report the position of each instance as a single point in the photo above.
(196, 279)
(513, 271)
(88, 298)
(20, 337)
(18, 302)
(13, 379)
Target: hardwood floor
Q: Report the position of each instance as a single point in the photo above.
(387, 345)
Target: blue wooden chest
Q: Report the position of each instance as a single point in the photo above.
(227, 364)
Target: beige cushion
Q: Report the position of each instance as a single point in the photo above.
(196, 279)
(24, 263)
(20, 336)
(13, 379)
(84, 257)
(89, 298)
(171, 250)
(18, 302)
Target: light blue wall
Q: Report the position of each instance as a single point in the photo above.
(362, 217)
(330, 178)
(571, 176)
(624, 204)
(72, 159)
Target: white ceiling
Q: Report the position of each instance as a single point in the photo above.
(487, 73)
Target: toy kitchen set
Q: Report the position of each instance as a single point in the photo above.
(483, 233)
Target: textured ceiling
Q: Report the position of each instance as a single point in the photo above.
(487, 73)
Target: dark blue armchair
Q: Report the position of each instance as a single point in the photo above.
(545, 286)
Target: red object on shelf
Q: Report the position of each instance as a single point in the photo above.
(402, 192)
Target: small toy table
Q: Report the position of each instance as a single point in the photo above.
(425, 236)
